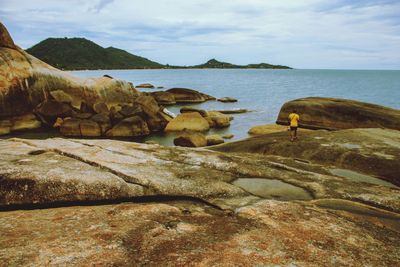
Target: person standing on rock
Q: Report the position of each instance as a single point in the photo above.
(293, 119)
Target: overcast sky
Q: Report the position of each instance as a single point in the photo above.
(359, 34)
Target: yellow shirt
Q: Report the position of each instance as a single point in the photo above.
(294, 119)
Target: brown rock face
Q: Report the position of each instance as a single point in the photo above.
(184, 95)
(191, 139)
(5, 38)
(214, 139)
(192, 121)
(218, 119)
(26, 82)
(164, 98)
(333, 114)
(129, 127)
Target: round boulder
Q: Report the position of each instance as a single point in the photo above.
(190, 139)
(192, 121)
(214, 139)
(129, 127)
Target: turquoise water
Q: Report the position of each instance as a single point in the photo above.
(265, 91)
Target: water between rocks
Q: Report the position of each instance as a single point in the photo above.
(272, 189)
(359, 177)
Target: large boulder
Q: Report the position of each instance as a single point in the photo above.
(187, 109)
(267, 129)
(214, 139)
(145, 85)
(218, 120)
(190, 139)
(333, 114)
(25, 82)
(25, 122)
(129, 127)
(164, 98)
(74, 127)
(191, 121)
(52, 109)
(184, 95)
(5, 127)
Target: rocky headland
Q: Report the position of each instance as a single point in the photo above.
(329, 199)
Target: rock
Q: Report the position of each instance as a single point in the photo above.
(333, 114)
(61, 96)
(160, 87)
(82, 116)
(59, 121)
(100, 107)
(52, 109)
(148, 104)
(145, 85)
(26, 82)
(164, 98)
(101, 118)
(267, 129)
(89, 128)
(228, 136)
(5, 38)
(129, 110)
(234, 111)
(25, 122)
(214, 139)
(219, 120)
(107, 76)
(70, 127)
(190, 139)
(188, 121)
(5, 127)
(151, 142)
(345, 149)
(187, 109)
(227, 99)
(86, 108)
(184, 95)
(129, 127)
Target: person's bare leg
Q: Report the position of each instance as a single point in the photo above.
(295, 134)
(291, 135)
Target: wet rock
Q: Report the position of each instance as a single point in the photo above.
(227, 99)
(227, 136)
(107, 76)
(100, 107)
(333, 114)
(70, 127)
(267, 129)
(190, 139)
(164, 98)
(192, 121)
(184, 95)
(233, 111)
(89, 128)
(187, 109)
(214, 139)
(129, 127)
(219, 120)
(145, 85)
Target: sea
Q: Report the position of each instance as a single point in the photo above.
(263, 91)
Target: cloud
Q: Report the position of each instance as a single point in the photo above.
(302, 33)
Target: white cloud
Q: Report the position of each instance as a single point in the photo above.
(302, 33)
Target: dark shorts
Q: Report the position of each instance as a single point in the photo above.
(293, 128)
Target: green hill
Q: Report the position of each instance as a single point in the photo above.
(80, 53)
(215, 64)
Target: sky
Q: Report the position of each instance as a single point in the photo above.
(309, 34)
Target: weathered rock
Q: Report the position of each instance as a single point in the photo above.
(227, 136)
(62, 97)
(234, 111)
(187, 109)
(184, 95)
(108, 76)
(58, 122)
(27, 82)
(52, 109)
(368, 151)
(267, 129)
(164, 98)
(188, 121)
(214, 139)
(129, 110)
(5, 127)
(333, 114)
(86, 108)
(227, 99)
(219, 120)
(103, 119)
(70, 127)
(145, 85)
(190, 139)
(25, 122)
(100, 107)
(83, 116)
(149, 105)
(89, 128)
(129, 127)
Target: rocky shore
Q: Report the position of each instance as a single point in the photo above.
(332, 198)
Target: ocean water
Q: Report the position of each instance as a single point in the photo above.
(264, 91)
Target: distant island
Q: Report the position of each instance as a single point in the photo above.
(83, 54)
